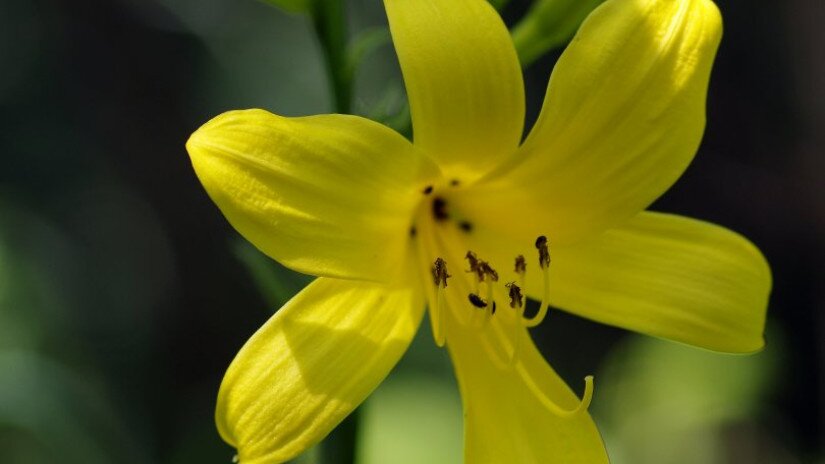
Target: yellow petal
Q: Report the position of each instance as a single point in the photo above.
(326, 195)
(672, 277)
(512, 413)
(463, 81)
(506, 414)
(659, 274)
(311, 364)
(622, 119)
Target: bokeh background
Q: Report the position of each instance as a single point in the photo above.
(124, 294)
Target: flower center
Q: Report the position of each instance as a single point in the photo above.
(470, 307)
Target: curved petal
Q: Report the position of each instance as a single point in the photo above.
(327, 195)
(672, 277)
(622, 119)
(311, 364)
(512, 413)
(506, 414)
(659, 274)
(463, 81)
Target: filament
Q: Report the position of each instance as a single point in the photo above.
(437, 319)
(545, 302)
(584, 403)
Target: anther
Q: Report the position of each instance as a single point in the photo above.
(544, 251)
(544, 264)
(476, 301)
(516, 298)
(428, 190)
(517, 303)
(521, 265)
(475, 267)
(488, 271)
(465, 226)
(413, 231)
(440, 276)
(473, 260)
(454, 183)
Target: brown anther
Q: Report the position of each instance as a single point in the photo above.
(473, 260)
(428, 190)
(454, 183)
(516, 298)
(440, 209)
(440, 274)
(488, 271)
(521, 265)
(544, 252)
(413, 231)
(476, 301)
(466, 226)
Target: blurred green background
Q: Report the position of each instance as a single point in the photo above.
(124, 294)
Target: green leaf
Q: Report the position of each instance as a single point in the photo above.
(293, 6)
(276, 283)
(55, 415)
(498, 4)
(549, 24)
(661, 401)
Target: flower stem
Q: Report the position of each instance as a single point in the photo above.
(340, 446)
(330, 24)
(329, 21)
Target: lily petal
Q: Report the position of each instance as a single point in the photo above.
(672, 277)
(659, 274)
(463, 82)
(506, 414)
(318, 194)
(622, 119)
(311, 364)
(512, 413)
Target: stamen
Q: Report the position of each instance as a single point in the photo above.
(465, 226)
(544, 251)
(544, 264)
(489, 281)
(476, 301)
(455, 183)
(517, 303)
(473, 260)
(584, 404)
(428, 190)
(516, 298)
(440, 276)
(521, 268)
(488, 271)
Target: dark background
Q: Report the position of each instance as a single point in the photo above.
(124, 294)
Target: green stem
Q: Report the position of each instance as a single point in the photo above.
(340, 446)
(330, 25)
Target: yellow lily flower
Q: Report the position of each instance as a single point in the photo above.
(387, 224)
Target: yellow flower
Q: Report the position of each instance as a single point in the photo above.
(387, 224)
